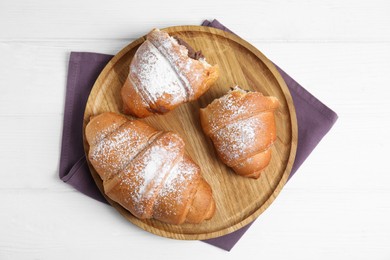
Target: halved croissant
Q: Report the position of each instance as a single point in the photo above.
(163, 76)
(242, 127)
(146, 171)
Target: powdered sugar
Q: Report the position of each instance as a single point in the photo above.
(183, 50)
(187, 69)
(156, 76)
(235, 138)
(180, 63)
(114, 151)
(147, 172)
(174, 194)
(162, 73)
(180, 175)
(102, 134)
(230, 108)
(232, 105)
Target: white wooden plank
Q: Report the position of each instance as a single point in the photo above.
(34, 74)
(33, 101)
(276, 20)
(40, 224)
(306, 223)
(336, 73)
(30, 152)
(336, 207)
(31, 149)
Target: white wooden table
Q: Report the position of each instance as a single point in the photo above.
(336, 207)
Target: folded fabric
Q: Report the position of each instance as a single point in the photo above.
(314, 120)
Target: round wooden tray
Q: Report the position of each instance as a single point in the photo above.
(239, 200)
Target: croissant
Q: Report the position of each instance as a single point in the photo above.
(164, 73)
(242, 128)
(146, 171)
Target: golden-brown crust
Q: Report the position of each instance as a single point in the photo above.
(242, 127)
(208, 78)
(133, 103)
(197, 76)
(252, 166)
(153, 87)
(146, 171)
(177, 213)
(221, 111)
(102, 139)
(106, 125)
(203, 202)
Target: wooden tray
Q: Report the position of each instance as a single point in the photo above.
(239, 200)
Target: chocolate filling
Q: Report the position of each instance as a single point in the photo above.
(247, 91)
(196, 55)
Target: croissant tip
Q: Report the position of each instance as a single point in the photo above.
(253, 175)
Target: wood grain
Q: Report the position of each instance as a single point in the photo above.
(336, 206)
(280, 20)
(241, 64)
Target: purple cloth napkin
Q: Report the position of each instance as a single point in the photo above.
(314, 120)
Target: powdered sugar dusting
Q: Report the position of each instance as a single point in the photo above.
(183, 65)
(156, 75)
(180, 63)
(147, 172)
(231, 104)
(113, 152)
(103, 133)
(230, 107)
(177, 179)
(171, 196)
(235, 138)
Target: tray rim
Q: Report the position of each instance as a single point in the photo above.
(293, 146)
